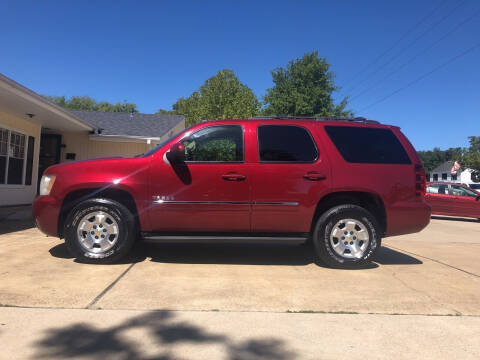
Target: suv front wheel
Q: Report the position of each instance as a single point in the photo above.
(346, 236)
(99, 231)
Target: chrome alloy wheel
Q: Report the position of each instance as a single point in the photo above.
(349, 238)
(97, 232)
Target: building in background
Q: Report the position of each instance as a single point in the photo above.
(444, 173)
(35, 134)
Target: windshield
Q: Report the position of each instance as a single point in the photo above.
(153, 150)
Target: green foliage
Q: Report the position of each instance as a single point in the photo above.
(193, 108)
(304, 88)
(433, 158)
(166, 112)
(468, 157)
(87, 103)
(222, 96)
(471, 157)
(214, 150)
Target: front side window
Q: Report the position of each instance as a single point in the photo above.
(159, 146)
(461, 191)
(13, 147)
(218, 143)
(286, 144)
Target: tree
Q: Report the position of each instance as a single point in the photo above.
(166, 112)
(471, 157)
(222, 96)
(304, 88)
(87, 103)
(433, 158)
(118, 107)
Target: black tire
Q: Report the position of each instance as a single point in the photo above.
(115, 211)
(325, 225)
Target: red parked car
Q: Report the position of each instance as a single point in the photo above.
(453, 199)
(344, 184)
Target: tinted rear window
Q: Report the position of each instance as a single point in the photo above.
(367, 145)
(286, 143)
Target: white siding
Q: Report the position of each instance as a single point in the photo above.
(464, 177)
(85, 148)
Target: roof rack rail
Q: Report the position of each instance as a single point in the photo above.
(356, 119)
(286, 117)
(281, 117)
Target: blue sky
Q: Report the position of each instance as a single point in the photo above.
(153, 52)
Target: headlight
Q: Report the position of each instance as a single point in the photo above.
(46, 184)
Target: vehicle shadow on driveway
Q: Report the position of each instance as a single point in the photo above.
(85, 340)
(10, 226)
(238, 254)
(388, 256)
(15, 218)
(138, 254)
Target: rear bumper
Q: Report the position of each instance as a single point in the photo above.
(408, 217)
(45, 211)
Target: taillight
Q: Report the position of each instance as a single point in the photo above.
(420, 184)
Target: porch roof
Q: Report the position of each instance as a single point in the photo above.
(27, 104)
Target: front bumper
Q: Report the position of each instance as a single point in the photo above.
(46, 210)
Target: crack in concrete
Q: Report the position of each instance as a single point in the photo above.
(318, 312)
(109, 287)
(437, 261)
(394, 275)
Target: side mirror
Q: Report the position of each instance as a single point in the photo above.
(477, 198)
(176, 154)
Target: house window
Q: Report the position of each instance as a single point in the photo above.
(454, 177)
(13, 157)
(444, 176)
(435, 177)
(3, 154)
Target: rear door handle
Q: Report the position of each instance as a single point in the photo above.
(233, 177)
(314, 176)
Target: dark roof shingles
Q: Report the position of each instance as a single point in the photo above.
(446, 167)
(130, 124)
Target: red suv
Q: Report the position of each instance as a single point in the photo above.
(344, 184)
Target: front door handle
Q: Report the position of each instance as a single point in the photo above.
(314, 176)
(233, 177)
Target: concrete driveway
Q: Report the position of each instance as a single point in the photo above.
(432, 273)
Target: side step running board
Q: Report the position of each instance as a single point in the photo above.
(223, 239)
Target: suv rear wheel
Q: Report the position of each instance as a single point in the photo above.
(346, 236)
(99, 231)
